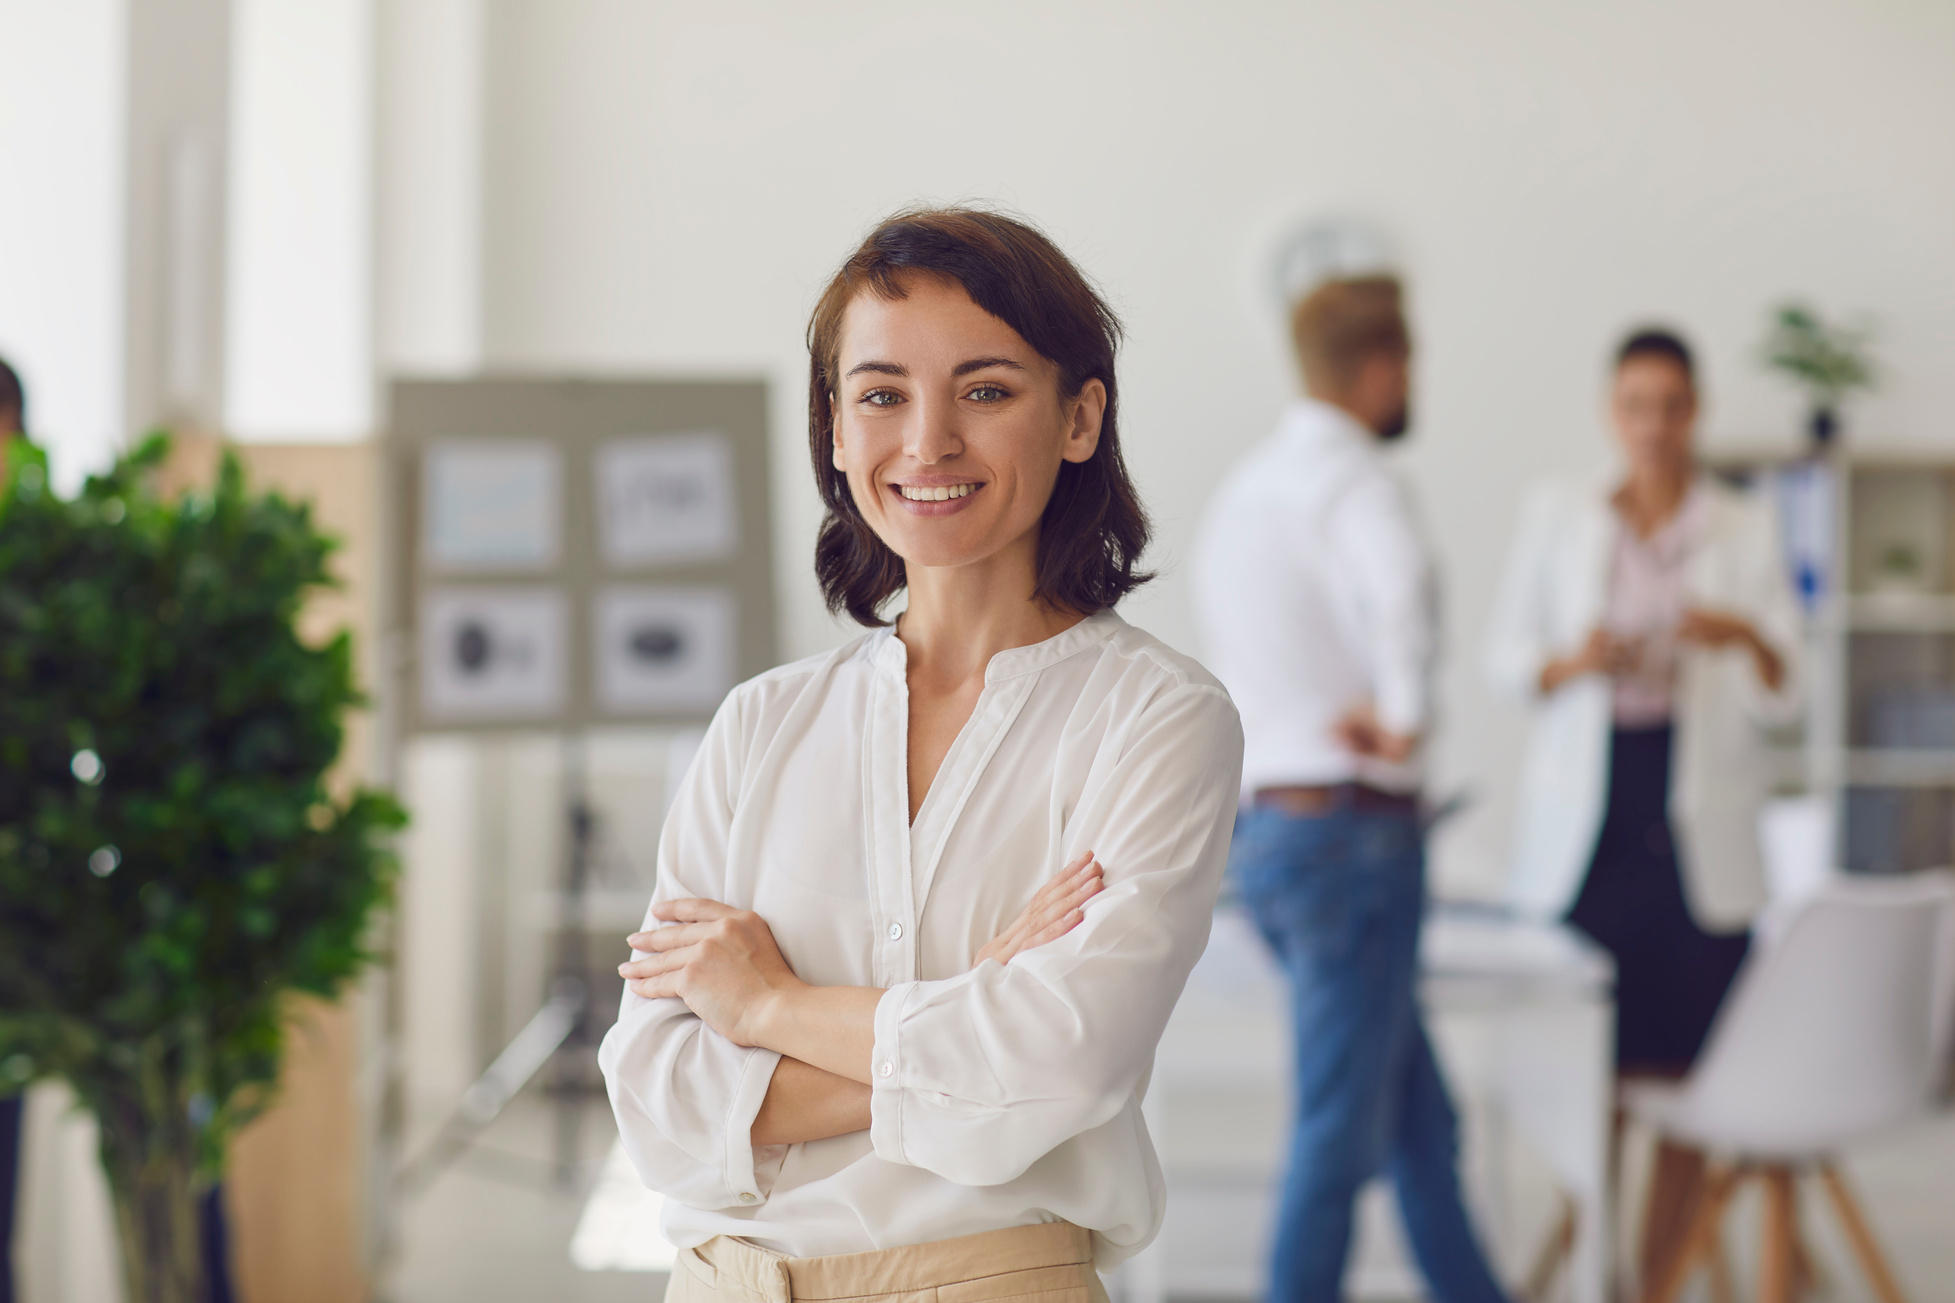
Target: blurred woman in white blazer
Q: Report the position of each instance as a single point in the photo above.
(1649, 624)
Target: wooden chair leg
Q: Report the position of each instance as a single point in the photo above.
(1699, 1241)
(1722, 1289)
(1676, 1184)
(1554, 1254)
(1861, 1237)
(1807, 1278)
(1775, 1268)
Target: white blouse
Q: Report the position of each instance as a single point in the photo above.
(1001, 1095)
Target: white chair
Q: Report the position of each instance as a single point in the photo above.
(1835, 1028)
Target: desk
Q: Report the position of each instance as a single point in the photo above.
(1217, 1102)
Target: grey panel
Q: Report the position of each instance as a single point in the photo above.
(579, 415)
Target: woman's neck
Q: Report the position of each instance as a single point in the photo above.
(1651, 495)
(959, 617)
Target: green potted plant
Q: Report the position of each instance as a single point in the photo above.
(173, 863)
(1828, 361)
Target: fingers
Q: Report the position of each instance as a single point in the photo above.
(1058, 916)
(692, 910)
(1062, 881)
(1054, 930)
(668, 938)
(653, 965)
(655, 988)
(689, 910)
(1078, 880)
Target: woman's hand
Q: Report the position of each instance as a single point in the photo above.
(1055, 910)
(1707, 628)
(723, 962)
(1603, 653)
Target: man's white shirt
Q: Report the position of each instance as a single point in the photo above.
(1315, 591)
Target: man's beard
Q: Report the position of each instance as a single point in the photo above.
(1393, 427)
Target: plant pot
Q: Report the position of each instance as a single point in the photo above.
(1823, 426)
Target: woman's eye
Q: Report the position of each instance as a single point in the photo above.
(881, 398)
(988, 394)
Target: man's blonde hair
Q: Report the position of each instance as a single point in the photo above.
(1339, 325)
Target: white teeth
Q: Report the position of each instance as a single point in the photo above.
(937, 493)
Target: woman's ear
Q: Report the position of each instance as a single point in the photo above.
(1088, 409)
(835, 433)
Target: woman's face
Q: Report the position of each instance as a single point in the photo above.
(950, 427)
(1653, 405)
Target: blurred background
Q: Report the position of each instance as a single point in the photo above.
(269, 221)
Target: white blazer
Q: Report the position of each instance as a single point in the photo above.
(1554, 592)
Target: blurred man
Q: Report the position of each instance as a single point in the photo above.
(13, 420)
(1319, 608)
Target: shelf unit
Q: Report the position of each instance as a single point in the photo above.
(1878, 527)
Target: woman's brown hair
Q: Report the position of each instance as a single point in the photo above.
(1094, 529)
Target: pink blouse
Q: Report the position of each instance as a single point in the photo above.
(1646, 603)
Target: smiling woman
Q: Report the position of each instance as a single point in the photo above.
(1057, 350)
(870, 1042)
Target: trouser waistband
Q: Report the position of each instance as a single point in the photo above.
(1048, 1256)
(1329, 798)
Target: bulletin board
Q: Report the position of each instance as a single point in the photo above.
(568, 553)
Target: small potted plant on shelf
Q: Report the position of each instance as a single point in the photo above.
(174, 863)
(1828, 361)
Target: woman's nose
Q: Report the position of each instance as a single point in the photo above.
(933, 433)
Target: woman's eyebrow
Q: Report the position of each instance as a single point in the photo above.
(879, 368)
(981, 363)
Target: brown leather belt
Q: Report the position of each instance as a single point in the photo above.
(1332, 797)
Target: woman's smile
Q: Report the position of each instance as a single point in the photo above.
(935, 495)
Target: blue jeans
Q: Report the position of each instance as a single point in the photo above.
(1339, 899)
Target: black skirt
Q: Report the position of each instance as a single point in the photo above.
(1671, 975)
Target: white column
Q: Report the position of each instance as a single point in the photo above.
(301, 215)
(177, 125)
(429, 194)
(61, 129)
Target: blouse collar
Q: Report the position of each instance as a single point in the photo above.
(892, 657)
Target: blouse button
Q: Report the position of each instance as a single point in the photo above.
(887, 1067)
(895, 931)
(748, 1196)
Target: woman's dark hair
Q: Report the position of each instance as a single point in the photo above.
(1654, 341)
(1094, 529)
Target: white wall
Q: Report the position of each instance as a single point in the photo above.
(667, 185)
(61, 159)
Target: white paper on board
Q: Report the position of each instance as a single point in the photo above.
(492, 504)
(665, 497)
(663, 650)
(493, 654)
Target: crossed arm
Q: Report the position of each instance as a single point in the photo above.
(725, 964)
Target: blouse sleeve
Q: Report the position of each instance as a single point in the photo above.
(978, 1076)
(686, 1097)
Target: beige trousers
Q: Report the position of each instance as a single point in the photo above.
(1048, 1263)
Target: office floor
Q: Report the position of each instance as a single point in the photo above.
(494, 1228)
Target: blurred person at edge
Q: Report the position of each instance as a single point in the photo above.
(1320, 613)
(13, 422)
(216, 1232)
(1649, 624)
